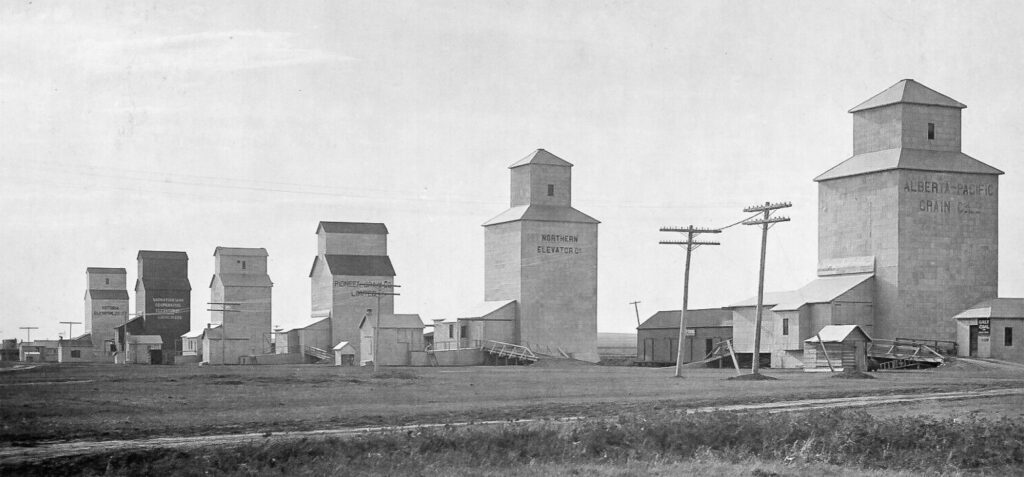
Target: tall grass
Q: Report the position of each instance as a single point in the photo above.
(850, 439)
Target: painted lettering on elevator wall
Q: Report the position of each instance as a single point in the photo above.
(560, 244)
(968, 196)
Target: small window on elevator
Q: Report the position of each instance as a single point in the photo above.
(106, 281)
(785, 327)
(931, 130)
(1008, 336)
(243, 264)
(551, 190)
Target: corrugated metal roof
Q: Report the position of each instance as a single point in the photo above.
(821, 290)
(396, 321)
(244, 279)
(542, 213)
(703, 318)
(108, 294)
(246, 252)
(359, 265)
(112, 271)
(162, 255)
(149, 283)
(370, 228)
(485, 308)
(541, 156)
(308, 323)
(837, 334)
(995, 308)
(342, 345)
(905, 158)
(908, 91)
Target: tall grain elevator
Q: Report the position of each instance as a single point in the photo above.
(163, 301)
(926, 212)
(106, 305)
(349, 253)
(542, 253)
(240, 298)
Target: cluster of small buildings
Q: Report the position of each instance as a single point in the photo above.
(539, 242)
(907, 251)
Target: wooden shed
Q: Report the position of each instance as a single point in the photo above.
(844, 346)
(344, 354)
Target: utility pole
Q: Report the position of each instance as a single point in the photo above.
(690, 245)
(376, 289)
(635, 307)
(28, 330)
(223, 324)
(69, 323)
(764, 222)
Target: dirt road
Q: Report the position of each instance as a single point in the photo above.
(45, 450)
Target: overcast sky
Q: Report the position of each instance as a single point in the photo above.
(187, 126)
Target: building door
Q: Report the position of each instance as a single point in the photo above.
(709, 344)
(673, 350)
(648, 349)
(973, 343)
(155, 356)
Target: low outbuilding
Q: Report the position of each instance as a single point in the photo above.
(986, 330)
(657, 338)
(841, 346)
(399, 336)
(344, 354)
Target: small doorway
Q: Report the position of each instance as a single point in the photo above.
(972, 347)
(156, 356)
(648, 349)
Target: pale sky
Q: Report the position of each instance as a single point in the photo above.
(187, 126)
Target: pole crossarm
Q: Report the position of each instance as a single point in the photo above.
(768, 206)
(687, 242)
(691, 229)
(771, 220)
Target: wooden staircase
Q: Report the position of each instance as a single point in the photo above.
(320, 355)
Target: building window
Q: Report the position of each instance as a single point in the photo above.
(464, 332)
(451, 331)
(785, 327)
(76, 353)
(551, 190)
(1007, 336)
(243, 264)
(106, 281)
(931, 130)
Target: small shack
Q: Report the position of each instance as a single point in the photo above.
(985, 330)
(399, 336)
(344, 354)
(842, 346)
(144, 349)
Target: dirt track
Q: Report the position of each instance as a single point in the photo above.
(12, 455)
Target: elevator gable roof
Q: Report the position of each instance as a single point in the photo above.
(162, 255)
(542, 213)
(911, 159)
(245, 252)
(366, 228)
(356, 265)
(908, 91)
(112, 271)
(541, 156)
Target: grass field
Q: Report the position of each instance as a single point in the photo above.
(55, 402)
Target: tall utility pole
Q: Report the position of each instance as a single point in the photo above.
(764, 222)
(690, 244)
(376, 289)
(28, 329)
(637, 308)
(69, 323)
(223, 325)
